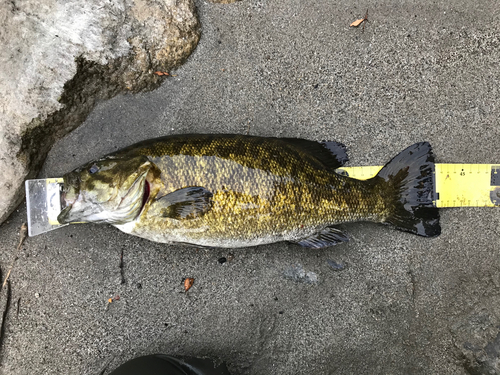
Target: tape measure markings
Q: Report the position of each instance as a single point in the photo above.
(457, 185)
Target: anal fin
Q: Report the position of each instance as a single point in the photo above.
(327, 237)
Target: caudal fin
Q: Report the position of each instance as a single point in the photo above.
(409, 191)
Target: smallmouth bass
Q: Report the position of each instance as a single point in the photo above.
(236, 191)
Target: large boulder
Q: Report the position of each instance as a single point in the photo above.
(59, 57)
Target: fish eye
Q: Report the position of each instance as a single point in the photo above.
(93, 169)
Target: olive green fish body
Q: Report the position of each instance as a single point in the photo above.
(233, 191)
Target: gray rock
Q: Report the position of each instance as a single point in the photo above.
(59, 58)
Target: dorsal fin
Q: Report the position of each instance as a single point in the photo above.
(325, 154)
(330, 154)
(337, 149)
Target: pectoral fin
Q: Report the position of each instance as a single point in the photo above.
(327, 237)
(187, 203)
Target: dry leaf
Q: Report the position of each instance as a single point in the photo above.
(357, 22)
(188, 283)
(360, 21)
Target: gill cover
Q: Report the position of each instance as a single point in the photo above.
(111, 190)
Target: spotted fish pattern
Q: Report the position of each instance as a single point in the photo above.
(235, 190)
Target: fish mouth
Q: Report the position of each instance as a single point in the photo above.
(63, 217)
(66, 203)
(76, 208)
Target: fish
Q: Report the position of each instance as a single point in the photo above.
(230, 191)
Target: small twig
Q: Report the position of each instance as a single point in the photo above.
(121, 268)
(5, 313)
(365, 20)
(18, 306)
(23, 233)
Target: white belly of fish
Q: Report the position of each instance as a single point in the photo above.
(184, 237)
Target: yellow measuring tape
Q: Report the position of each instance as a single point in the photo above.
(457, 185)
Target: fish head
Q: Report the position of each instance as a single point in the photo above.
(108, 190)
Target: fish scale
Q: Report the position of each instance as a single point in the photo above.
(294, 196)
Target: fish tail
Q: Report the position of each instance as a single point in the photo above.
(408, 187)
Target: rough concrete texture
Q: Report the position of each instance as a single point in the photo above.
(59, 57)
(401, 304)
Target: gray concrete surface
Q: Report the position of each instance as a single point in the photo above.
(420, 71)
